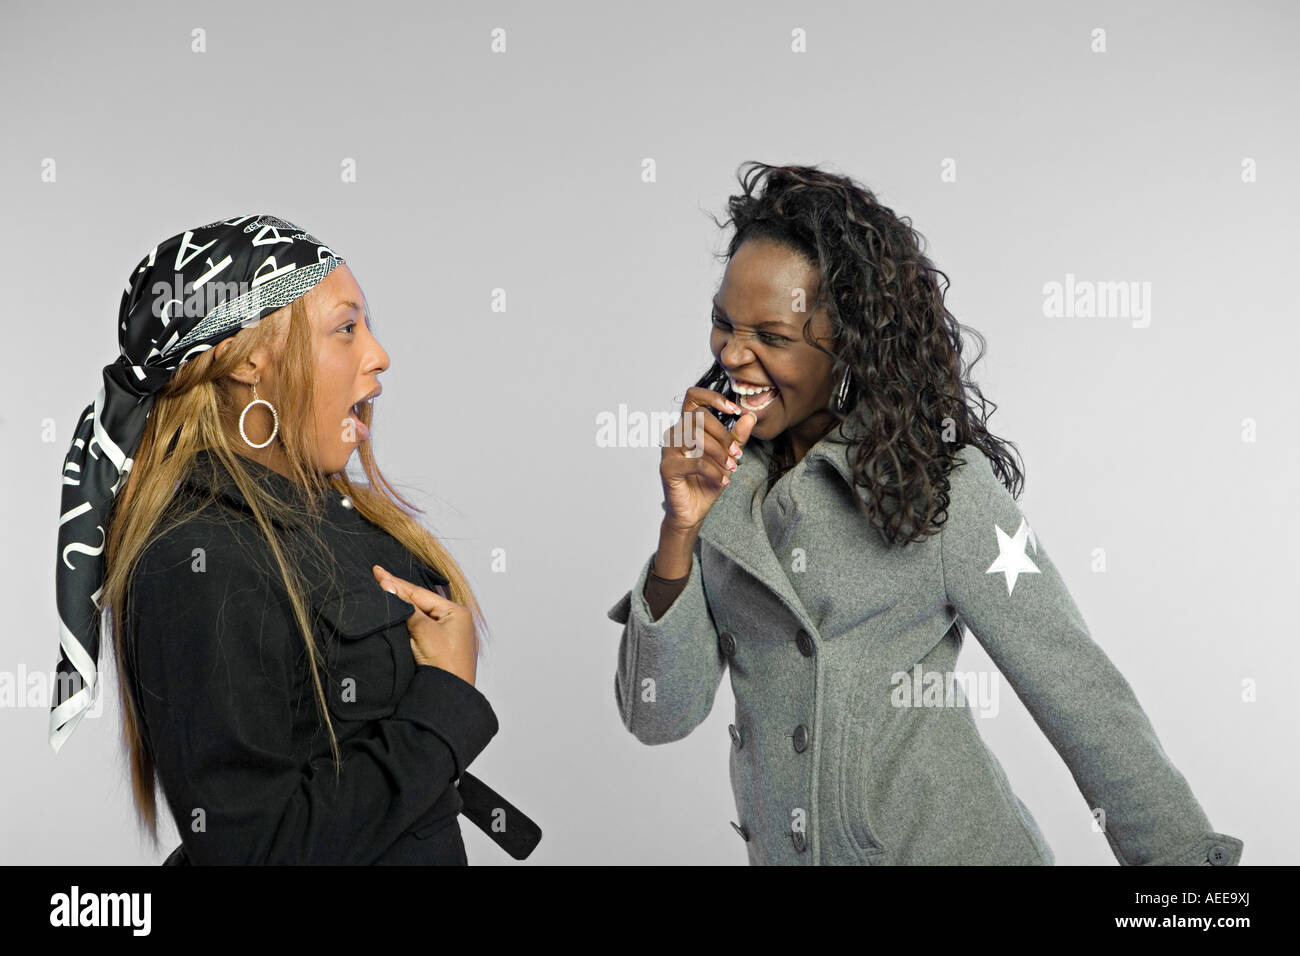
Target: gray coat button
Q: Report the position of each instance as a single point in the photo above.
(800, 841)
(804, 641)
(742, 830)
(800, 738)
(1218, 855)
(735, 735)
(727, 644)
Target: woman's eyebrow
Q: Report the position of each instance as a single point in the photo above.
(348, 303)
(769, 324)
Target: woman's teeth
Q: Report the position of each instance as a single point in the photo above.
(755, 399)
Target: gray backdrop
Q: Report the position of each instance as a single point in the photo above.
(1031, 144)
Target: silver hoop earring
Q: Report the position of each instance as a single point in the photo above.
(841, 397)
(275, 419)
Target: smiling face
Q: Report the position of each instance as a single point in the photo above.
(758, 340)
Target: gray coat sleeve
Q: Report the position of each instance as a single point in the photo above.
(668, 669)
(1001, 582)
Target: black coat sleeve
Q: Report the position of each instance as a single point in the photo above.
(214, 653)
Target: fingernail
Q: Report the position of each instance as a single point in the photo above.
(389, 588)
(735, 449)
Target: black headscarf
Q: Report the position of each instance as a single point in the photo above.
(185, 296)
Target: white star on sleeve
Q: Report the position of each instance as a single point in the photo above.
(1012, 560)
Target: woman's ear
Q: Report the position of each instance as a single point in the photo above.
(255, 368)
(242, 374)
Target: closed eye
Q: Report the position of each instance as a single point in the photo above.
(771, 338)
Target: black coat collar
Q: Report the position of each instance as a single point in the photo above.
(342, 585)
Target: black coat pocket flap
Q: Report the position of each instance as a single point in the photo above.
(358, 612)
(368, 654)
(429, 577)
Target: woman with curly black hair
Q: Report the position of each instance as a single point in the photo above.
(874, 517)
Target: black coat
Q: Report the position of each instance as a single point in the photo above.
(220, 674)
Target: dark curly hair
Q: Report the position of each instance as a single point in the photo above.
(909, 392)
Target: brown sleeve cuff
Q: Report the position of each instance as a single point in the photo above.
(660, 593)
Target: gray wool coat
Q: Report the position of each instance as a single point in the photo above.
(846, 746)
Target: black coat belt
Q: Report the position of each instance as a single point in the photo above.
(515, 833)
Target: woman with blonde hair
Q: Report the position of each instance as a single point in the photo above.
(296, 654)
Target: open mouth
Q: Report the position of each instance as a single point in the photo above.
(363, 431)
(752, 398)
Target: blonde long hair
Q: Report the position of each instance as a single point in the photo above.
(198, 410)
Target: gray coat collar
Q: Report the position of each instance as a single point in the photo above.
(734, 525)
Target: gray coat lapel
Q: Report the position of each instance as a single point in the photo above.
(734, 525)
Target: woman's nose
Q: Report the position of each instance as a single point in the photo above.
(733, 354)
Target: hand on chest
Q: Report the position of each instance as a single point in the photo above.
(362, 629)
